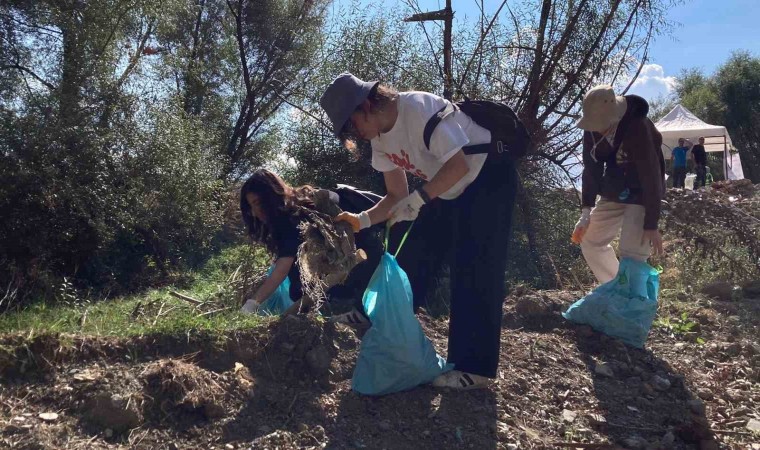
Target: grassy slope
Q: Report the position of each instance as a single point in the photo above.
(122, 316)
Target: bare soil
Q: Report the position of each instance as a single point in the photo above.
(288, 385)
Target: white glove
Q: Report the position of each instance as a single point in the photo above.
(251, 307)
(407, 209)
(581, 225)
(358, 222)
(585, 218)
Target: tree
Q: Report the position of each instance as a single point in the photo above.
(276, 41)
(730, 97)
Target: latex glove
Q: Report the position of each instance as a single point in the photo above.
(654, 238)
(358, 222)
(582, 225)
(251, 307)
(407, 209)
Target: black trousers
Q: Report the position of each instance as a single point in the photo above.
(679, 177)
(701, 170)
(472, 234)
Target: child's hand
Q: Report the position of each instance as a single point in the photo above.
(251, 307)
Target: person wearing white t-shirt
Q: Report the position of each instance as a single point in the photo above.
(463, 211)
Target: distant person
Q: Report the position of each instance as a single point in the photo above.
(623, 164)
(678, 159)
(699, 156)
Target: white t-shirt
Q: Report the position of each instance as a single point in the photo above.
(404, 145)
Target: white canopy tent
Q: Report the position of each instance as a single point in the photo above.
(681, 123)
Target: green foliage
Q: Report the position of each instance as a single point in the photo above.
(678, 325)
(730, 97)
(154, 311)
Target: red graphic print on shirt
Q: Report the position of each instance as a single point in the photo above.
(404, 163)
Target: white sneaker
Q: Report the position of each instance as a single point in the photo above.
(251, 307)
(353, 318)
(461, 380)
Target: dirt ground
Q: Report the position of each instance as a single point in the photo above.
(287, 385)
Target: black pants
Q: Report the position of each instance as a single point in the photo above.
(701, 170)
(679, 177)
(472, 234)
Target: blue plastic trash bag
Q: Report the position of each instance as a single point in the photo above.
(279, 301)
(395, 354)
(624, 307)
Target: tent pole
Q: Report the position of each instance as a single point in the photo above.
(725, 158)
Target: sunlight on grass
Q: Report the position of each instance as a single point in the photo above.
(153, 311)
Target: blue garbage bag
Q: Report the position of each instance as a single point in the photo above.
(279, 301)
(395, 354)
(624, 307)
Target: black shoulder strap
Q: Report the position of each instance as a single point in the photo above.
(435, 120)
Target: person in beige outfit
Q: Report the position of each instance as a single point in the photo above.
(623, 165)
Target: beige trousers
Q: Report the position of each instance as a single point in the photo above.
(607, 220)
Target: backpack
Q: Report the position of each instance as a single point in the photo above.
(355, 200)
(509, 137)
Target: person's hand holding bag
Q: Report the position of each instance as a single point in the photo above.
(407, 209)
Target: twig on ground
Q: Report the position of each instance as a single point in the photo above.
(213, 311)
(740, 433)
(186, 298)
(581, 445)
(160, 310)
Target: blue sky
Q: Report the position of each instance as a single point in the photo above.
(706, 34)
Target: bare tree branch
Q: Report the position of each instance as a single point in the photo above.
(28, 71)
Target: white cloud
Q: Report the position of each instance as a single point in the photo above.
(652, 82)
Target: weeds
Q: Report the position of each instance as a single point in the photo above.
(679, 326)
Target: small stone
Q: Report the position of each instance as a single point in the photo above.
(229, 446)
(719, 290)
(604, 370)
(705, 394)
(668, 440)
(318, 360)
(647, 389)
(635, 443)
(680, 345)
(49, 417)
(754, 425)
(569, 416)
(697, 406)
(512, 446)
(660, 383)
(708, 444)
(531, 306)
(15, 429)
(596, 419)
(287, 347)
(108, 433)
(734, 349)
(751, 289)
(19, 419)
